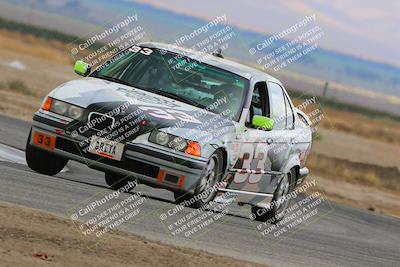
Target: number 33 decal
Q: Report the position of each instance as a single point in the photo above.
(144, 50)
(248, 153)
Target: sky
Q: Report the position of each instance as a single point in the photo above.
(368, 29)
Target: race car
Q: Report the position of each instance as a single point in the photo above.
(196, 124)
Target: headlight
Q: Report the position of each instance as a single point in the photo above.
(162, 138)
(60, 107)
(175, 142)
(65, 109)
(178, 143)
(75, 112)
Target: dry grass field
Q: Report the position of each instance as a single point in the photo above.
(385, 130)
(54, 51)
(30, 67)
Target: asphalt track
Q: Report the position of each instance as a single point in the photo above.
(336, 236)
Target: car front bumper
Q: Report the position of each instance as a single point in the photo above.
(148, 163)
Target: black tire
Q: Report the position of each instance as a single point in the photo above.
(42, 161)
(205, 191)
(277, 212)
(116, 180)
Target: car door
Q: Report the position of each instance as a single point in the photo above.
(293, 139)
(284, 134)
(302, 140)
(252, 148)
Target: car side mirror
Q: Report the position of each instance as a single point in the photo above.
(82, 68)
(263, 122)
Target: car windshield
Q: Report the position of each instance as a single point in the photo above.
(178, 77)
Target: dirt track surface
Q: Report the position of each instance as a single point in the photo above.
(33, 238)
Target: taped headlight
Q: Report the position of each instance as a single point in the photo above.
(162, 138)
(60, 107)
(178, 143)
(171, 141)
(66, 109)
(75, 112)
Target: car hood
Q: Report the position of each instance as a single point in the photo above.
(96, 94)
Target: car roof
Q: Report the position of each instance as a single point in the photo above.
(234, 67)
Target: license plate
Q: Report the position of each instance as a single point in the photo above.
(44, 140)
(106, 148)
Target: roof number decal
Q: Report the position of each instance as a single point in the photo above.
(144, 50)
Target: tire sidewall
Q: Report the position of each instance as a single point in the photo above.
(219, 174)
(273, 214)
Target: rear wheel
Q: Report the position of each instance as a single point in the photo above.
(42, 161)
(206, 189)
(280, 201)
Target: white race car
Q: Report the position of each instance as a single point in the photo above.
(176, 119)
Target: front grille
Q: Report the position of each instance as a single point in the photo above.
(141, 168)
(68, 146)
(100, 122)
(126, 163)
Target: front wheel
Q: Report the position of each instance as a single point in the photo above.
(42, 161)
(207, 187)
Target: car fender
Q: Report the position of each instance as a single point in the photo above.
(293, 161)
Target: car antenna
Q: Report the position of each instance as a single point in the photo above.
(218, 53)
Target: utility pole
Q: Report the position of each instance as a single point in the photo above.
(325, 91)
